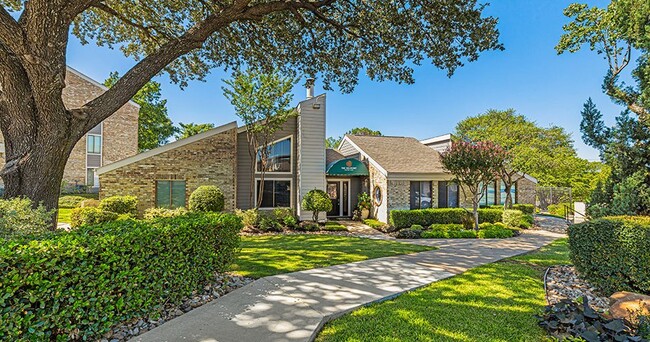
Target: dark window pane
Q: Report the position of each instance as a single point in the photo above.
(267, 194)
(415, 195)
(163, 193)
(282, 194)
(425, 195)
(452, 195)
(279, 157)
(178, 194)
(442, 195)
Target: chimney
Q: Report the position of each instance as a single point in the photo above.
(310, 87)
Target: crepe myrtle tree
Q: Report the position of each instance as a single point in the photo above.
(474, 165)
(331, 39)
(263, 102)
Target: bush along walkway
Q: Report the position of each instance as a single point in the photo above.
(295, 306)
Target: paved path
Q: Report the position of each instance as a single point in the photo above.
(361, 229)
(294, 306)
(551, 223)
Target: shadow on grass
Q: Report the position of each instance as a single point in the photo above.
(494, 302)
(262, 256)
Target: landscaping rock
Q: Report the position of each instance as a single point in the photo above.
(563, 282)
(629, 305)
(222, 284)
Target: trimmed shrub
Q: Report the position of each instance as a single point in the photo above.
(446, 226)
(417, 226)
(308, 227)
(70, 201)
(89, 203)
(206, 198)
(461, 234)
(448, 231)
(512, 218)
(527, 222)
(17, 216)
(76, 285)
(434, 234)
(527, 209)
(613, 253)
(153, 213)
(409, 233)
(269, 224)
(316, 201)
(120, 205)
(495, 233)
(250, 217)
(333, 226)
(89, 216)
(427, 217)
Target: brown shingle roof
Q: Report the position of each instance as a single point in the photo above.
(332, 155)
(399, 154)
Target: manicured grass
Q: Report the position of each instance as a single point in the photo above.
(268, 255)
(64, 215)
(495, 302)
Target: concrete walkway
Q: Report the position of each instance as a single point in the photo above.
(294, 306)
(551, 223)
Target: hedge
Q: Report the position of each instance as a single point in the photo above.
(76, 285)
(527, 209)
(427, 217)
(120, 205)
(613, 253)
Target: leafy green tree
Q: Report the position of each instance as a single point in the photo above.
(154, 125)
(474, 165)
(332, 39)
(625, 149)
(316, 201)
(263, 102)
(189, 129)
(332, 142)
(541, 152)
(616, 32)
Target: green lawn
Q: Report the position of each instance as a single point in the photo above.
(64, 215)
(495, 302)
(268, 255)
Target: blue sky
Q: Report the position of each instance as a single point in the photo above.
(528, 76)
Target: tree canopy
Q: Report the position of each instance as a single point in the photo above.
(332, 142)
(615, 32)
(331, 39)
(154, 125)
(189, 129)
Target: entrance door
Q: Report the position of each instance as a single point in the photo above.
(334, 191)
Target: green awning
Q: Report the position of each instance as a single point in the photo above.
(347, 167)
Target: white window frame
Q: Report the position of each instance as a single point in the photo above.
(291, 195)
(291, 156)
(100, 154)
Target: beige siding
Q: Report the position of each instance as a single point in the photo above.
(311, 149)
(244, 164)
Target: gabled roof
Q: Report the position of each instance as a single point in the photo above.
(440, 138)
(332, 155)
(95, 83)
(168, 147)
(397, 154)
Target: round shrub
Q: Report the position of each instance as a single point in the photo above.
(120, 205)
(18, 216)
(153, 213)
(512, 218)
(88, 203)
(409, 233)
(89, 216)
(207, 198)
(317, 201)
(613, 253)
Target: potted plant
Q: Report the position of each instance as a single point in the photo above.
(364, 205)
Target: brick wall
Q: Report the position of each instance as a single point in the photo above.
(526, 192)
(399, 195)
(209, 161)
(120, 138)
(379, 212)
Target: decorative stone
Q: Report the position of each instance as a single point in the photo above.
(629, 306)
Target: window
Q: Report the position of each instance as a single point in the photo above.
(276, 193)
(94, 144)
(377, 196)
(279, 158)
(90, 177)
(170, 194)
(502, 193)
(447, 195)
(420, 195)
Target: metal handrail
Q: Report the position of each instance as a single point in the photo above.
(568, 208)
